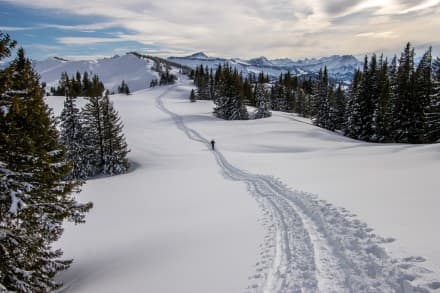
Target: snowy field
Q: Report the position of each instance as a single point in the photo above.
(281, 206)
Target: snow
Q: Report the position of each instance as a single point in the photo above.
(335, 214)
(339, 67)
(135, 71)
(172, 224)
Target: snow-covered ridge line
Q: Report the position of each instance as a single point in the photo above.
(313, 246)
(136, 72)
(339, 67)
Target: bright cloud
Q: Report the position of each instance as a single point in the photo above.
(285, 28)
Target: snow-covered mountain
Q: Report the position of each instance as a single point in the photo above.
(136, 71)
(339, 67)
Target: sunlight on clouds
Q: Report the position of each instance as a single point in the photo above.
(381, 35)
(248, 28)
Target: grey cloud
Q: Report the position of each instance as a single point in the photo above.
(339, 6)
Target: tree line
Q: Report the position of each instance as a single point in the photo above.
(80, 85)
(393, 101)
(93, 137)
(36, 194)
(230, 92)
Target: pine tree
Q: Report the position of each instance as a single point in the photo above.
(123, 88)
(432, 113)
(339, 105)
(263, 102)
(353, 113)
(402, 115)
(229, 95)
(85, 91)
(114, 145)
(35, 197)
(383, 113)
(325, 116)
(421, 99)
(93, 129)
(72, 137)
(192, 96)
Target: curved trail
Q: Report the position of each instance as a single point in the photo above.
(311, 246)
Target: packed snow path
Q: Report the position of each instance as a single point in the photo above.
(312, 246)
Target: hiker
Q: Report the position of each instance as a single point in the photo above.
(212, 144)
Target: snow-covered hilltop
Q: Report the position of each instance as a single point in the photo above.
(339, 67)
(136, 71)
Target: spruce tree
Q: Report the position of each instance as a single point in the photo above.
(262, 101)
(123, 88)
(35, 197)
(92, 118)
(339, 105)
(192, 96)
(404, 96)
(72, 137)
(383, 113)
(421, 99)
(324, 116)
(432, 114)
(353, 113)
(115, 148)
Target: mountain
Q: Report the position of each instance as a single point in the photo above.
(340, 68)
(137, 72)
(198, 55)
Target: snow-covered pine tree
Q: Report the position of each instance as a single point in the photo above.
(301, 102)
(383, 114)
(324, 115)
(85, 90)
(72, 137)
(404, 91)
(203, 85)
(123, 88)
(339, 104)
(262, 102)
(91, 116)
(353, 112)
(432, 113)
(368, 94)
(229, 98)
(420, 99)
(115, 148)
(35, 198)
(192, 96)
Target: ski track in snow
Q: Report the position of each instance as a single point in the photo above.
(312, 246)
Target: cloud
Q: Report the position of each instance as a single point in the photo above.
(284, 28)
(380, 35)
(86, 40)
(15, 28)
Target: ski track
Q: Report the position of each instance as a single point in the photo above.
(312, 246)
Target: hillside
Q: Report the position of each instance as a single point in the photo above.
(137, 72)
(280, 206)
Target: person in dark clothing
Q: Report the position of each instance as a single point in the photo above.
(212, 144)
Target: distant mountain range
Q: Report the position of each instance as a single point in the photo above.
(340, 67)
(138, 70)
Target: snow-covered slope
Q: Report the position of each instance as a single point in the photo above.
(339, 67)
(189, 215)
(135, 71)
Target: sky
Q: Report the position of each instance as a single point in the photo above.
(229, 28)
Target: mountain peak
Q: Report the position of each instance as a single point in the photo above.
(260, 61)
(198, 55)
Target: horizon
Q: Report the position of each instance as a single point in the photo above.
(254, 28)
